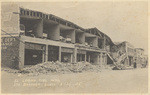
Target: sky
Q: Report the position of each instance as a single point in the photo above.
(121, 21)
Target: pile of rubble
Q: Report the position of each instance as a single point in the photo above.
(9, 70)
(59, 67)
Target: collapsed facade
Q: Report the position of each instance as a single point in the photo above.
(32, 37)
(123, 54)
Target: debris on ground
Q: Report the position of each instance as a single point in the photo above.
(9, 70)
(59, 67)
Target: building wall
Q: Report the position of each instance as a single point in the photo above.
(10, 25)
(118, 50)
(9, 51)
(10, 18)
(140, 58)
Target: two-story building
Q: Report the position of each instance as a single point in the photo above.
(32, 37)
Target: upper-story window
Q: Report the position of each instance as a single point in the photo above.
(65, 36)
(28, 26)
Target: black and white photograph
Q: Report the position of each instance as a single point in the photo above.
(74, 47)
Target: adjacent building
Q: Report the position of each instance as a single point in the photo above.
(123, 54)
(140, 58)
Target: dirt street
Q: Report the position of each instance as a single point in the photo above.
(119, 81)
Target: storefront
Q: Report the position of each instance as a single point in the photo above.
(53, 53)
(66, 54)
(81, 55)
(34, 53)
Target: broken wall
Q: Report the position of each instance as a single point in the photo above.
(118, 50)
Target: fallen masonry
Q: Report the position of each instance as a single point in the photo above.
(58, 67)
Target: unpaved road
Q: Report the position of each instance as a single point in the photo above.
(119, 81)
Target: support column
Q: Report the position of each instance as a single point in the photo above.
(75, 55)
(43, 53)
(95, 41)
(104, 42)
(59, 54)
(71, 58)
(21, 54)
(46, 54)
(73, 36)
(43, 56)
(38, 29)
(97, 58)
(101, 63)
(85, 58)
(54, 32)
(105, 61)
(82, 38)
(106, 58)
(89, 58)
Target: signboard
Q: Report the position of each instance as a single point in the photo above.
(34, 46)
(67, 50)
(7, 41)
(81, 51)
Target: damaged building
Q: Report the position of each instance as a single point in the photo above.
(33, 37)
(140, 58)
(123, 54)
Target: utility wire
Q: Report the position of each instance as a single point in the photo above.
(18, 40)
(23, 42)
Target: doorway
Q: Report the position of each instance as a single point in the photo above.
(33, 57)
